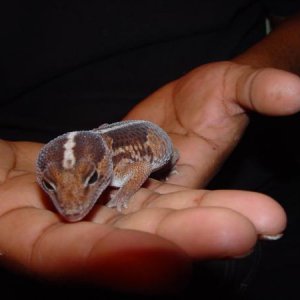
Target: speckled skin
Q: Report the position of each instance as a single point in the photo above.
(75, 168)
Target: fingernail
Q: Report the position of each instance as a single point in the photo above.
(270, 237)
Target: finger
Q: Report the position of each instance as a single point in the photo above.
(207, 232)
(25, 155)
(264, 213)
(22, 191)
(35, 241)
(162, 187)
(268, 91)
(7, 160)
(17, 158)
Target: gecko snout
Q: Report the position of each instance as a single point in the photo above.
(73, 216)
(73, 209)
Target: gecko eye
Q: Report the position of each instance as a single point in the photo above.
(49, 186)
(93, 178)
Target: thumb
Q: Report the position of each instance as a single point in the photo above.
(268, 91)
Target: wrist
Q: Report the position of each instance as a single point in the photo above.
(280, 49)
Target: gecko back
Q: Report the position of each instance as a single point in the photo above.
(137, 140)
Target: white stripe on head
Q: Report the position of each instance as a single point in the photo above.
(69, 157)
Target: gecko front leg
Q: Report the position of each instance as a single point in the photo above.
(129, 178)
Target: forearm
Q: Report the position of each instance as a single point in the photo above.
(280, 49)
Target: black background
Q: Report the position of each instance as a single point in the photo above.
(68, 65)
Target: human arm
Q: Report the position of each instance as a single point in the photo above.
(279, 49)
(205, 111)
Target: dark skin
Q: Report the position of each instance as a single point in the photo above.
(151, 246)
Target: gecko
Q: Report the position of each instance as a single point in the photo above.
(75, 168)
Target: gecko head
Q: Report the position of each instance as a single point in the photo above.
(74, 169)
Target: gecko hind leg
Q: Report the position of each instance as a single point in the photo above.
(135, 175)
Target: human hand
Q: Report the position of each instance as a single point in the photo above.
(147, 249)
(205, 112)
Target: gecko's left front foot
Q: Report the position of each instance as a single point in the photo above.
(118, 203)
(130, 177)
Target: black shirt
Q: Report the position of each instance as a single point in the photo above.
(69, 65)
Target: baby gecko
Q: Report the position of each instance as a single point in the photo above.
(75, 168)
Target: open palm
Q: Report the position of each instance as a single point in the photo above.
(151, 245)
